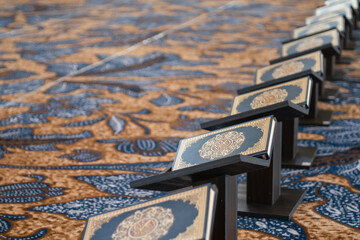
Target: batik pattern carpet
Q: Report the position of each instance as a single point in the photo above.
(95, 94)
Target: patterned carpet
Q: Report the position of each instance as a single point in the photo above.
(95, 94)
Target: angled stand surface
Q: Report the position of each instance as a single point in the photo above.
(286, 112)
(220, 172)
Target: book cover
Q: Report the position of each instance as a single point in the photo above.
(337, 22)
(353, 3)
(312, 42)
(252, 138)
(312, 61)
(343, 11)
(187, 214)
(332, 8)
(297, 91)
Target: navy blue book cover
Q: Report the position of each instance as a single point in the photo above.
(297, 91)
(253, 138)
(335, 6)
(337, 22)
(312, 42)
(343, 11)
(312, 61)
(183, 215)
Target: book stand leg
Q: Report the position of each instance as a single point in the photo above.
(262, 195)
(316, 116)
(348, 42)
(225, 223)
(330, 73)
(329, 70)
(293, 156)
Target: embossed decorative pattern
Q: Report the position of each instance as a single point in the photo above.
(221, 145)
(269, 97)
(149, 223)
(309, 44)
(288, 68)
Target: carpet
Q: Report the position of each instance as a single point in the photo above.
(96, 94)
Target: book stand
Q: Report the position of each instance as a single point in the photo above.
(263, 188)
(288, 113)
(220, 172)
(316, 116)
(330, 54)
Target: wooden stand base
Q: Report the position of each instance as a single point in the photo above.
(283, 208)
(329, 94)
(303, 159)
(323, 118)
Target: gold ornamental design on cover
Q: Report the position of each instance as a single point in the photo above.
(288, 68)
(268, 98)
(146, 224)
(318, 28)
(309, 44)
(221, 145)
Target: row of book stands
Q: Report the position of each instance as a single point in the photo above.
(259, 137)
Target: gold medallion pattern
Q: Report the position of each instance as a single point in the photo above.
(268, 98)
(317, 28)
(288, 68)
(221, 145)
(309, 44)
(149, 223)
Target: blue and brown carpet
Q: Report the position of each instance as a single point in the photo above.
(97, 93)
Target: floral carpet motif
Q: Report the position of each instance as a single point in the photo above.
(96, 94)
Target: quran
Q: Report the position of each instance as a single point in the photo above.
(313, 42)
(351, 3)
(331, 2)
(343, 11)
(337, 22)
(297, 91)
(332, 8)
(187, 214)
(313, 61)
(252, 138)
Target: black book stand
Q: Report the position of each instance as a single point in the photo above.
(263, 196)
(330, 54)
(287, 113)
(220, 172)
